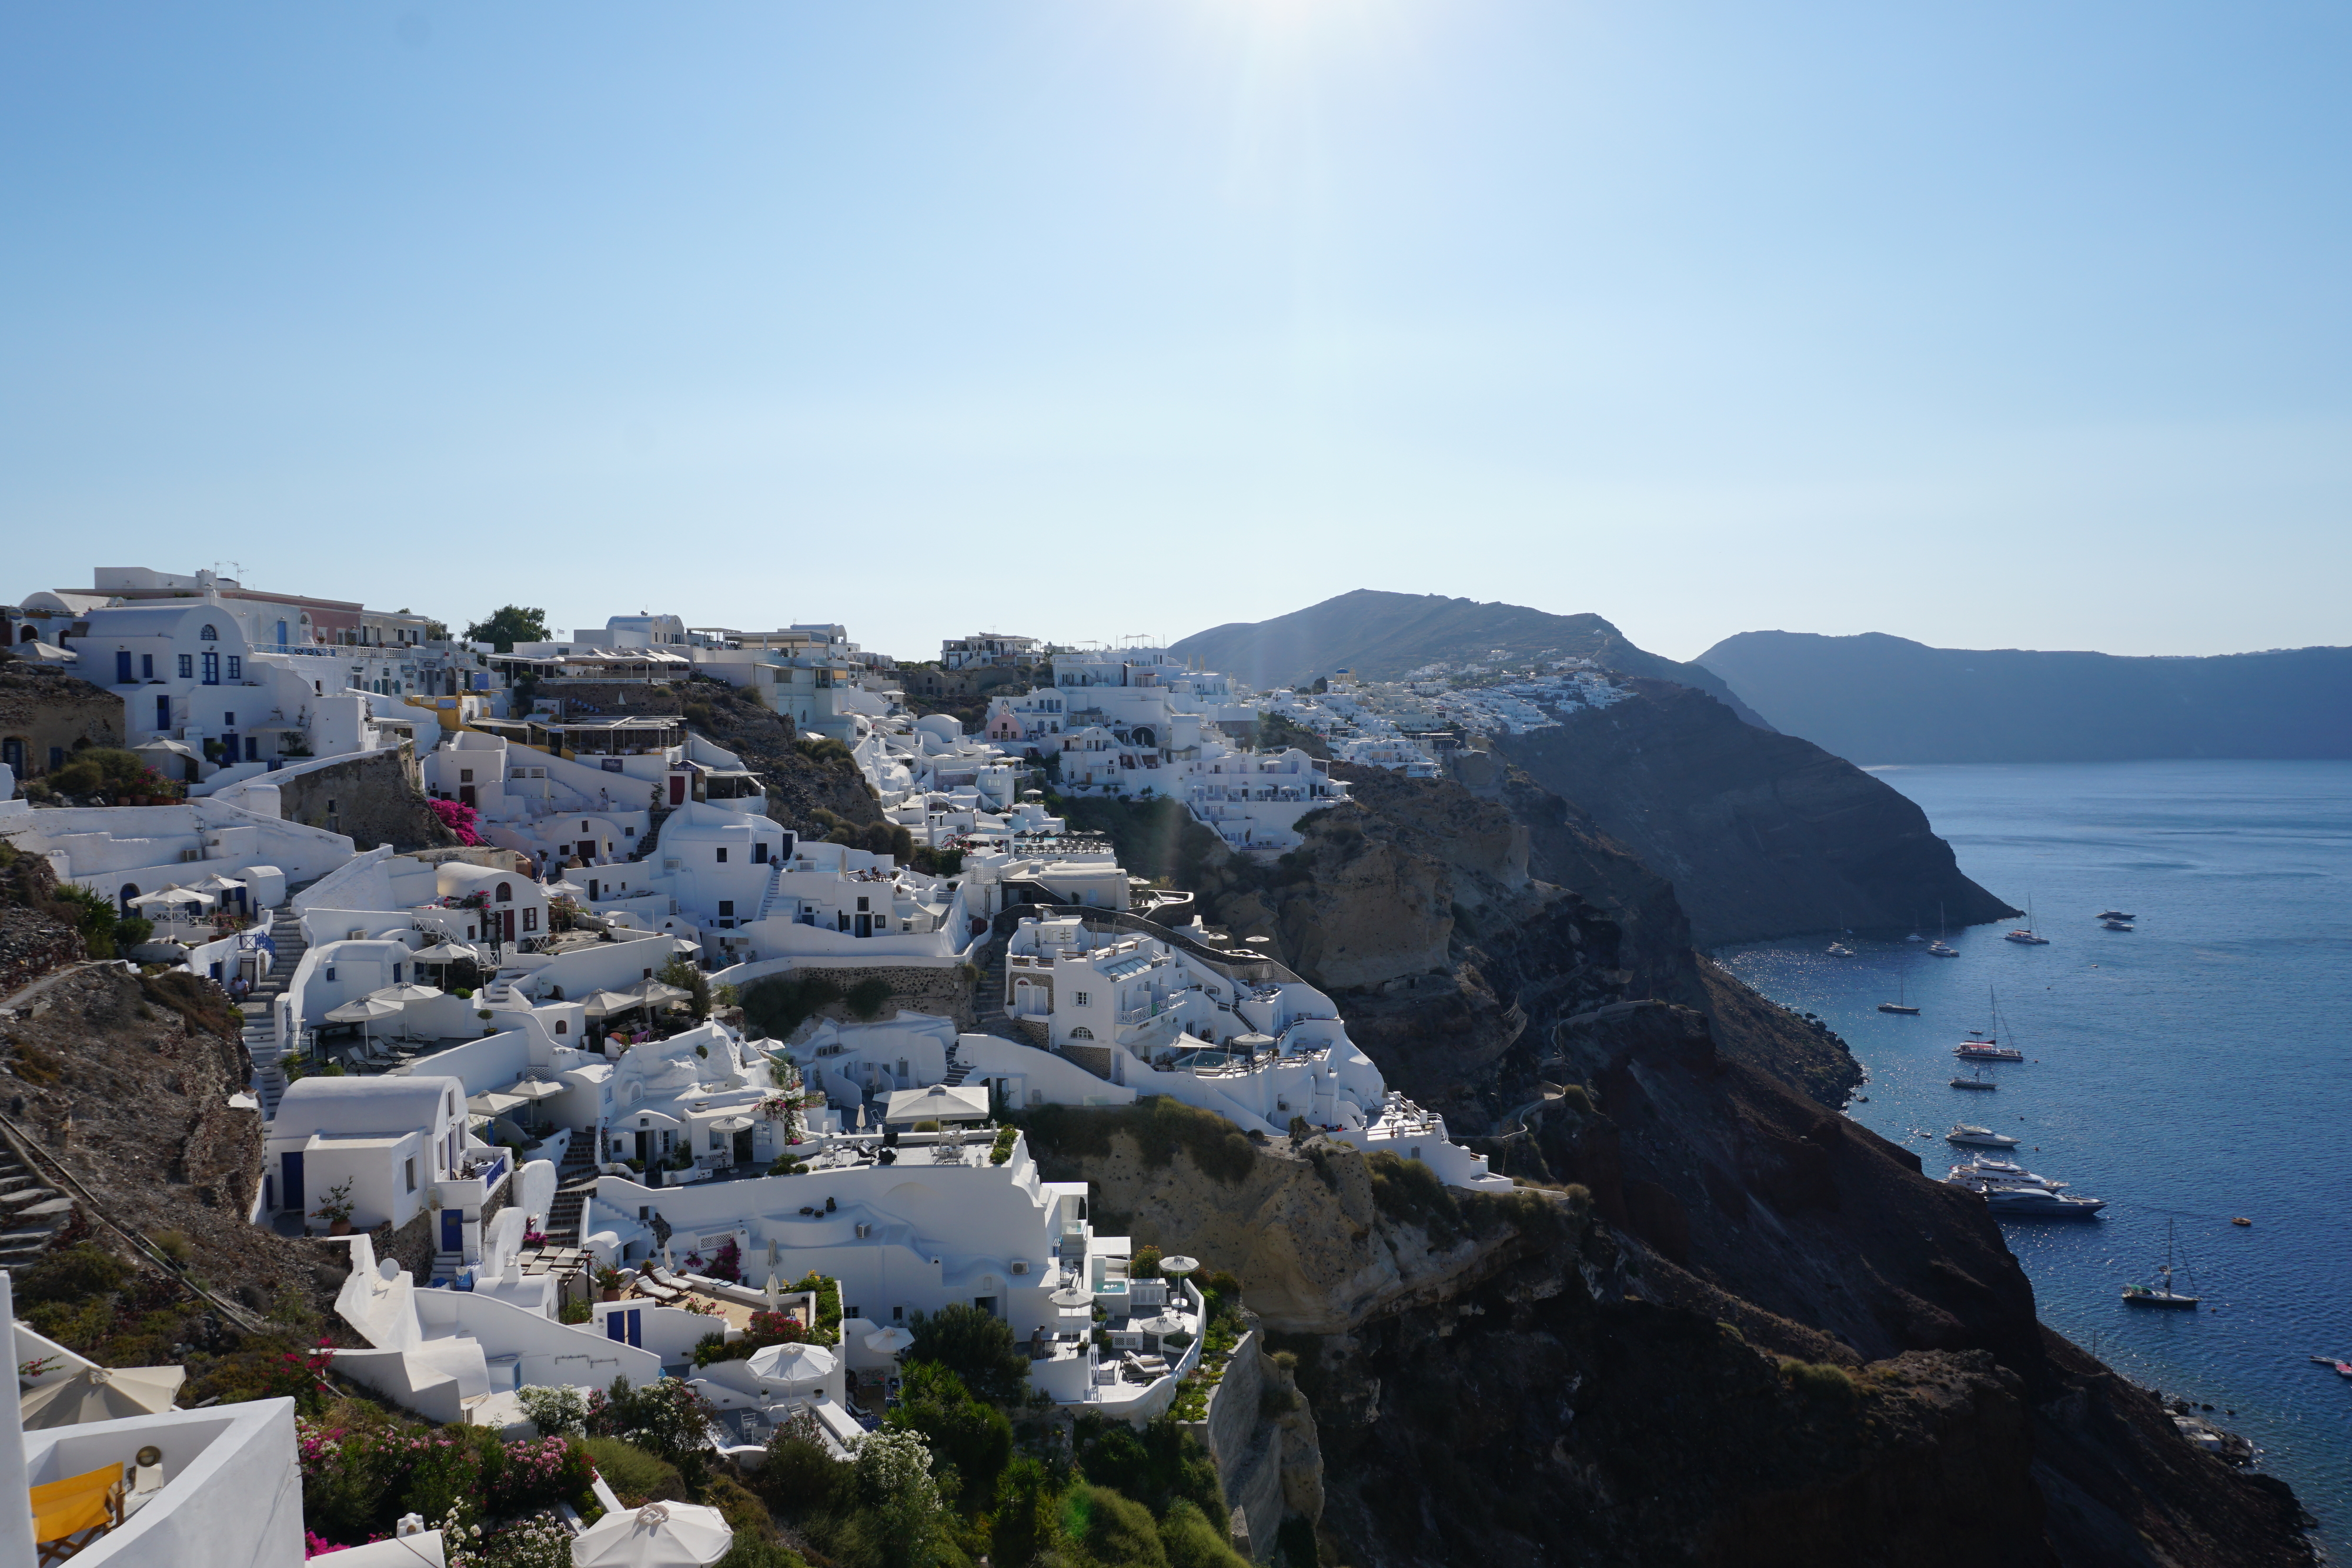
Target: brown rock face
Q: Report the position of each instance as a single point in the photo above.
(1762, 835)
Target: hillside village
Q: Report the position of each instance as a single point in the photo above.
(606, 1078)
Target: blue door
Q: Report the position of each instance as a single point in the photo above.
(453, 1230)
(628, 1327)
(121, 669)
(292, 1168)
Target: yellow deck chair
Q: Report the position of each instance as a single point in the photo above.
(70, 1514)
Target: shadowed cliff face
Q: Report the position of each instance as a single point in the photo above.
(1762, 835)
(1617, 1395)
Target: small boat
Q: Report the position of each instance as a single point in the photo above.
(1979, 1137)
(1899, 1005)
(2116, 926)
(2114, 914)
(1939, 950)
(2343, 1368)
(2240, 1219)
(2161, 1293)
(1974, 1084)
(1982, 1046)
(1839, 950)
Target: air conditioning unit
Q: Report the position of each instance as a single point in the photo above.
(1021, 1267)
(189, 857)
(865, 1231)
(355, 935)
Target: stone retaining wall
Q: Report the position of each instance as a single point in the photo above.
(373, 798)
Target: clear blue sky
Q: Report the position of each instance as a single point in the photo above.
(1991, 324)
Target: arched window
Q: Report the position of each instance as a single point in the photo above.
(1082, 1032)
(130, 892)
(210, 633)
(506, 893)
(562, 1026)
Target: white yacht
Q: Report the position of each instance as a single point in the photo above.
(1979, 1047)
(1840, 950)
(1981, 1173)
(2025, 937)
(1979, 1137)
(1939, 949)
(2038, 1203)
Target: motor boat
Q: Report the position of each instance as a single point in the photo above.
(2116, 925)
(2038, 1203)
(1840, 950)
(1974, 1084)
(1979, 1137)
(1940, 950)
(2115, 914)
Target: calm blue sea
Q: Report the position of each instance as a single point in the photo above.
(2193, 1070)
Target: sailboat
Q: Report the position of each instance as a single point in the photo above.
(1977, 1080)
(1982, 1046)
(2161, 1293)
(1914, 936)
(1939, 949)
(2024, 935)
(1897, 1006)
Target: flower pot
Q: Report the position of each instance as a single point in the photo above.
(609, 1293)
(338, 1227)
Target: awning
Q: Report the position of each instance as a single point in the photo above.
(532, 1089)
(604, 1004)
(494, 1102)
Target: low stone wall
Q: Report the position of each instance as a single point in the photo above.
(941, 990)
(44, 711)
(1095, 1058)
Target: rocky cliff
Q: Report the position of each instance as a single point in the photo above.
(1762, 834)
(1733, 1328)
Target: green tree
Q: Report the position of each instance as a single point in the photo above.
(1026, 1523)
(975, 1344)
(509, 625)
(968, 1435)
(1118, 1531)
(1191, 1542)
(898, 1502)
(678, 972)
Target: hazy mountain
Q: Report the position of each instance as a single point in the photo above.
(1381, 636)
(1876, 698)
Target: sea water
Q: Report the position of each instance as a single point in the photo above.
(2197, 1068)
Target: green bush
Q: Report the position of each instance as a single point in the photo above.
(966, 1435)
(1408, 1191)
(799, 1475)
(636, 1475)
(1157, 1465)
(782, 1003)
(1159, 1126)
(74, 1274)
(977, 1346)
(1191, 1542)
(1116, 1532)
(1821, 1380)
(865, 998)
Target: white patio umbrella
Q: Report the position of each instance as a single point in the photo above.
(889, 1341)
(103, 1394)
(402, 995)
(172, 895)
(658, 1535)
(604, 1004)
(793, 1362)
(1177, 1266)
(446, 953)
(567, 888)
(1070, 1299)
(364, 1012)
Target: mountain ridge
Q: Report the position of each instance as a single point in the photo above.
(1381, 636)
(1877, 698)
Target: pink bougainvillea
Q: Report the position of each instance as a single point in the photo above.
(460, 820)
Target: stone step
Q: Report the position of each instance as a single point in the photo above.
(30, 1197)
(46, 1207)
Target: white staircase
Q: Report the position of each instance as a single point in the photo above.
(261, 1009)
(768, 897)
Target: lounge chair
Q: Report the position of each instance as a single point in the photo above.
(74, 1513)
(655, 1282)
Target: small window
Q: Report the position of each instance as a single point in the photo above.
(530, 919)
(562, 1026)
(1079, 999)
(717, 1139)
(209, 634)
(726, 908)
(146, 667)
(506, 892)
(722, 857)
(861, 906)
(187, 666)
(465, 776)
(330, 971)
(235, 667)
(410, 1170)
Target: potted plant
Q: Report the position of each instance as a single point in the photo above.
(608, 1283)
(335, 1208)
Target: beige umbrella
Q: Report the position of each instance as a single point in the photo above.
(402, 995)
(445, 953)
(604, 1004)
(889, 1341)
(364, 1012)
(172, 895)
(659, 993)
(658, 1535)
(103, 1394)
(793, 1362)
